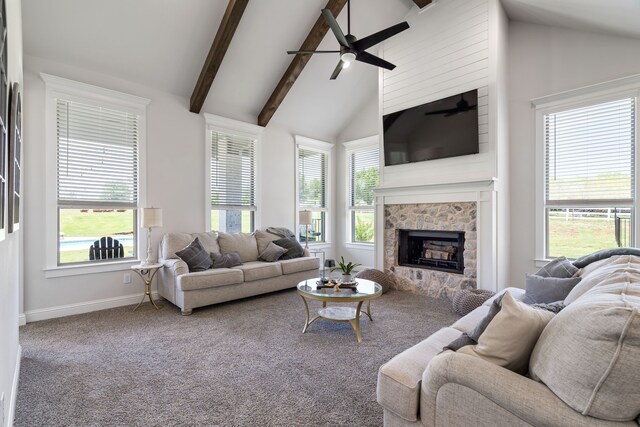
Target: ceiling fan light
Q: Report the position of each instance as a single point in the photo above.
(345, 64)
(348, 58)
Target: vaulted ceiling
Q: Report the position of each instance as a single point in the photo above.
(164, 43)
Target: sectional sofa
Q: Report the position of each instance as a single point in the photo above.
(197, 289)
(584, 369)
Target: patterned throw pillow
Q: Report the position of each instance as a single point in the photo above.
(559, 267)
(272, 252)
(195, 256)
(229, 260)
(294, 250)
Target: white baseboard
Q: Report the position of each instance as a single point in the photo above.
(14, 388)
(83, 307)
(22, 319)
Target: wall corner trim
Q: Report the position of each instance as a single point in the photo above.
(14, 387)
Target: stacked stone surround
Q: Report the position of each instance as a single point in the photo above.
(459, 216)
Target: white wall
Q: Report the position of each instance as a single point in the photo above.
(175, 182)
(543, 61)
(11, 246)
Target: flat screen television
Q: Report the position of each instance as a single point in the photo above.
(435, 130)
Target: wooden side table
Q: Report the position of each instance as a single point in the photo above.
(147, 273)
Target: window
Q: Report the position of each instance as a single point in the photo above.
(364, 176)
(589, 177)
(98, 140)
(232, 163)
(313, 187)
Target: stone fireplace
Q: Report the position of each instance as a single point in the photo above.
(431, 247)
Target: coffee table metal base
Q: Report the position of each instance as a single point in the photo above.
(339, 314)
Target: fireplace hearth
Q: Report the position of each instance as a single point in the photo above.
(432, 249)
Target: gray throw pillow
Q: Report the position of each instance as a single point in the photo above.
(554, 307)
(229, 260)
(472, 337)
(602, 254)
(559, 267)
(545, 290)
(272, 252)
(294, 250)
(195, 256)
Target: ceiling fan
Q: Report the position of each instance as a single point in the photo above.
(462, 106)
(350, 47)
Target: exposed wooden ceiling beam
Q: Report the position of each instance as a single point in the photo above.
(317, 33)
(422, 3)
(221, 42)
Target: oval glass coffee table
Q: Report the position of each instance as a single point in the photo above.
(365, 291)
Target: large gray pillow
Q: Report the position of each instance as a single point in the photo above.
(229, 260)
(545, 290)
(558, 267)
(195, 256)
(294, 250)
(272, 252)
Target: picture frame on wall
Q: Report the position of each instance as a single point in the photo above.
(14, 158)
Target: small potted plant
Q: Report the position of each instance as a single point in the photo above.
(346, 270)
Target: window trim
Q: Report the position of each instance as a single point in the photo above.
(239, 128)
(581, 97)
(58, 87)
(350, 147)
(325, 148)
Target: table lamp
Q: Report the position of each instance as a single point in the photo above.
(151, 218)
(305, 218)
(330, 263)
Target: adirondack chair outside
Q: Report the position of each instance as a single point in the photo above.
(106, 248)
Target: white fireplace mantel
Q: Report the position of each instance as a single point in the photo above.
(456, 186)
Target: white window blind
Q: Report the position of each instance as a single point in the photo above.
(363, 177)
(233, 171)
(590, 155)
(97, 156)
(312, 178)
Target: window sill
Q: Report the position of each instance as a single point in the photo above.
(77, 270)
(360, 246)
(319, 246)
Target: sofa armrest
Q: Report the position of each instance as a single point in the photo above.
(168, 275)
(530, 401)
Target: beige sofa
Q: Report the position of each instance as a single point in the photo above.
(587, 362)
(191, 290)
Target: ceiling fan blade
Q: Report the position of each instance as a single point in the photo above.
(380, 36)
(374, 60)
(337, 70)
(448, 112)
(310, 52)
(333, 24)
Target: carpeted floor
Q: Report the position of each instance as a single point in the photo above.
(239, 363)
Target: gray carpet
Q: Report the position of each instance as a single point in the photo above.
(239, 363)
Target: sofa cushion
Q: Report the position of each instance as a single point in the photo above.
(588, 354)
(210, 279)
(544, 290)
(469, 322)
(616, 269)
(272, 252)
(290, 266)
(511, 336)
(259, 270)
(516, 293)
(229, 260)
(242, 243)
(209, 241)
(294, 249)
(559, 267)
(263, 238)
(399, 379)
(195, 256)
(173, 242)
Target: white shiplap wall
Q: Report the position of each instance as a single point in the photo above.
(445, 52)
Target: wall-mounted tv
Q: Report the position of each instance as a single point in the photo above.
(435, 130)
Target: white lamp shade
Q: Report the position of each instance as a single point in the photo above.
(305, 218)
(151, 217)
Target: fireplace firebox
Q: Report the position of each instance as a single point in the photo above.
(432, 249)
